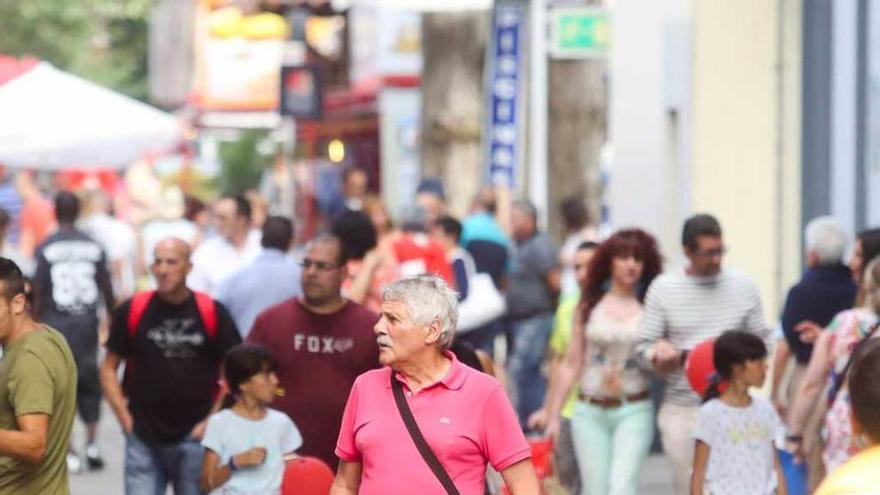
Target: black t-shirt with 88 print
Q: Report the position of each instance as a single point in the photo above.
(172, 366)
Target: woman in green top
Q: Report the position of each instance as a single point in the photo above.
(564, 461)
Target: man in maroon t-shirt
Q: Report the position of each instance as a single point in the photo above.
(322, 342)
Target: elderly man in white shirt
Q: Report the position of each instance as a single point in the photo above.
(220, 256)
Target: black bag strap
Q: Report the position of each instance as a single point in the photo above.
(417, 438)
(841, 378)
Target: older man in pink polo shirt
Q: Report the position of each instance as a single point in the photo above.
(464, 415)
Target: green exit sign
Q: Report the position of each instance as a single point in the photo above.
(579, 32)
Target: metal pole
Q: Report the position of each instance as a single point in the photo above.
(538, 109)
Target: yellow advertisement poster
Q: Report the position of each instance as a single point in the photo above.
(239, 59)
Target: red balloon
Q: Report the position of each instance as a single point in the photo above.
(700, 366)
(306, 476)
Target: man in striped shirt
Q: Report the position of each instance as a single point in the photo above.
(683, 308)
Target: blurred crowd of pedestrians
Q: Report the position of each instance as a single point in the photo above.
(372, 320)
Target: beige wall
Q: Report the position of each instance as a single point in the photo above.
(745, 142)
(792, 56)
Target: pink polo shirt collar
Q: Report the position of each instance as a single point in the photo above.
(453, 379)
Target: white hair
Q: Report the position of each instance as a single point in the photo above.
(825, 237)
(427, 299)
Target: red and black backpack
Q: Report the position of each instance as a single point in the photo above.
(139, 302)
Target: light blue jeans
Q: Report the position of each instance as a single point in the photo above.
(149, 468)
(611, 444)
(528, 343)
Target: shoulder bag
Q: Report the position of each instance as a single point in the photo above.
(417, 438)
(484, 303)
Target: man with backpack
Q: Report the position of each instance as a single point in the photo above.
(172, 341)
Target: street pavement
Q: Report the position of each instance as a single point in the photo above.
(656, 473)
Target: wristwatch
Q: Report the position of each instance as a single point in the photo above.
(794, 438)
(232, 466)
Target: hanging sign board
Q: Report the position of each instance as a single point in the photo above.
(579, 32)
(504, 88)
(301, 95)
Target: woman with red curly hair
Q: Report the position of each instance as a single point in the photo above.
(613, 423)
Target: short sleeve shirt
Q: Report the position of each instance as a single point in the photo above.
(71, 271)
(269, 280)
(216, 259)
(38, 217)
(741, 451)
(172, 365)
(38, 376)
(560, 338)
(610, 367)
(418, 254)
(229, 434)
(465, 418)
(319, 357)
(388, 271)
(859, 476)
(528, 293)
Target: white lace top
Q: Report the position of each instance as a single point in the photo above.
(610, 368)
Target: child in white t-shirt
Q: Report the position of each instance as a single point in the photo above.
(735, 452)
(245, 445)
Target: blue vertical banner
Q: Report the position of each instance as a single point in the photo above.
(503, 84)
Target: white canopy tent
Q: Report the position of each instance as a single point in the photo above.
(50, 120)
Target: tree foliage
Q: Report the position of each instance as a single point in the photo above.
(104, 41)
(242, 162)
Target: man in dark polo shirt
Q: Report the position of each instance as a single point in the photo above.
(172, 352)
(826, 288)
(322, 342)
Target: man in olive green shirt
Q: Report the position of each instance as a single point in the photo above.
(37, 396)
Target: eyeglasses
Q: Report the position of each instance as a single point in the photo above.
(320, 265)
(711, 253)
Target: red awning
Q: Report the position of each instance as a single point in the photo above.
(12, 67)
